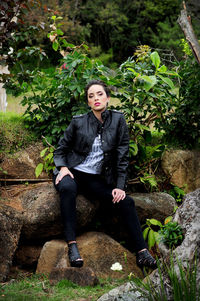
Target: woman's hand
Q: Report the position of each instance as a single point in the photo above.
(118, 195)
(64, 171)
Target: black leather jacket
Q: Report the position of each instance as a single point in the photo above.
(78, 138)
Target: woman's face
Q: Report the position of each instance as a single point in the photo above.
(97, 98)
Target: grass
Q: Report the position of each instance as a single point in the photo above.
(37, 287)
(14, 104)
(13, 135)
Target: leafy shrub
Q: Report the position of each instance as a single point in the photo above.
(183, 128)
(144, 87)
(171, 234)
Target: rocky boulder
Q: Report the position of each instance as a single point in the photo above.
(158, 205)
(22, 164)
(183, 168)
(40, 207)
(10, 229)
(99, 252)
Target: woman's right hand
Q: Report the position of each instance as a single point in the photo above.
(64, 171)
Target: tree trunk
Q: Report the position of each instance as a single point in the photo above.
(186, 26)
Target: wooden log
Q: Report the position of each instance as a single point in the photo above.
(186, 26)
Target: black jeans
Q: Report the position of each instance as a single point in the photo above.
(94, 187)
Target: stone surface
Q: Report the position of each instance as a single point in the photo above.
(22, 164)
(40, 206)
(84, 276)
(27, 255)
(156, 205)
(10, 229)
(98, 251)
(53, 253)
(125, 292)
(182, 167)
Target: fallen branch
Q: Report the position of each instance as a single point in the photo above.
(25, 180)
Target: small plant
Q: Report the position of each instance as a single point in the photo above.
(150, 233)
(171, 234)
(177, 192)
(47, 165)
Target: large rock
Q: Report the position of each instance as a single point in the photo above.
(84, 276)
(27, 256)
(183, 168)
(10, 229)
(156, 205)
(22, 164)
(99, 252)
(188, 216)
(53, 255)
(40, 206)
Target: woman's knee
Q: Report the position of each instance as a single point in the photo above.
(67, 185)
(128, 201)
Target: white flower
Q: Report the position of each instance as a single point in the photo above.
(116, 266)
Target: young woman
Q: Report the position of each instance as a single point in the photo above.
(92, 158)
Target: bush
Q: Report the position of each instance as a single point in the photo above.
(183, 128)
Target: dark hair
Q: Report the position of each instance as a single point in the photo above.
(97, 82)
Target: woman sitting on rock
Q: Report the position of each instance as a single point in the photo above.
(92, 159)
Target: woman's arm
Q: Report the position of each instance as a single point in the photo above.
(122, 151)
(64, 146)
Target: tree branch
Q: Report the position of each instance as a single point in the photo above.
(185, 23)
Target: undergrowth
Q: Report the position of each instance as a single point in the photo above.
(13, 134)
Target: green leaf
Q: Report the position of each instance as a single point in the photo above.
(59, 32)
(145, 232)
(55, 45)
(149, 81)
(155, 222)
(151, 239)
(42, 153)
(133, 148)
(157, 237)
(162, 69)
(155, 59)
(39, 169)
(167, 81)
(134, 72)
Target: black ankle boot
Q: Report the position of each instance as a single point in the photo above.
(74, 256)
(144, 259)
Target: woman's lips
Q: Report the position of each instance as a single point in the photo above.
(97, 104)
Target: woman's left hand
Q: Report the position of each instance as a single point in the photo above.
(118, 195)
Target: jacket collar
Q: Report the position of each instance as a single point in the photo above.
(104, 116)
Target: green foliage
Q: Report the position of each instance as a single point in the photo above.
(146, 92)
(177, 193)
(171, 234)
(47, 165)
(183, 128)
(150, 233)
(182, 282)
